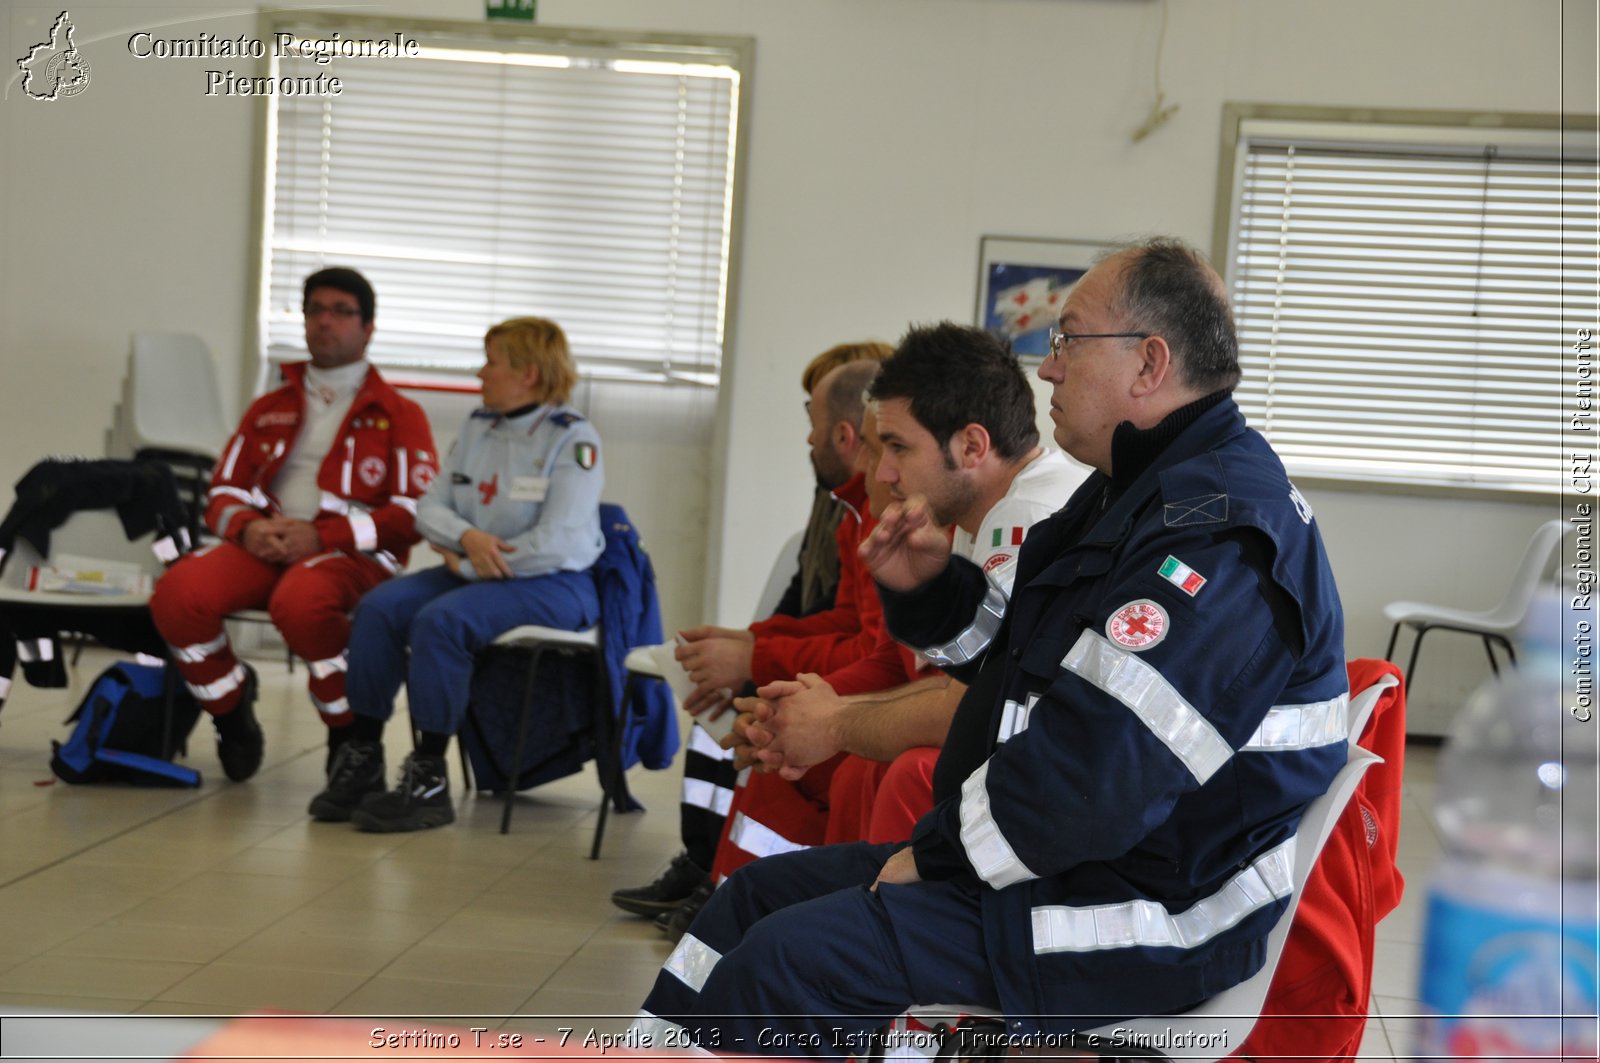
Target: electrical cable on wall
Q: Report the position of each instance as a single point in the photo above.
(1158, 114)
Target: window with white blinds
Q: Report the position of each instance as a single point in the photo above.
(497, 176)
(1406, 303)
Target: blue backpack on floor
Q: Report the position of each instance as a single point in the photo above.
(119, 728)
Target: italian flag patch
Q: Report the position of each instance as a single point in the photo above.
(1182, 576)
(1000, 537)
(587, 454)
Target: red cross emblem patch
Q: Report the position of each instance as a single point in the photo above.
(489, 488)
(1138, 625)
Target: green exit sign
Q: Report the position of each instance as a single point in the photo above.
(517, 9)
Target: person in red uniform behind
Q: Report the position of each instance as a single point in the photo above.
(315, 500)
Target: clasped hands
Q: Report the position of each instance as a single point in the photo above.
(280, 540)
(484, 552)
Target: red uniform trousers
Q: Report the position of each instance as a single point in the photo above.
(309, 601)
(771, 815)
(877, 802)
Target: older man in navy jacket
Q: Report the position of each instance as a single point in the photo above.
(1146, 721)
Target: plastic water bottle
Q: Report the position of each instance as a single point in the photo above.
(1511, 964)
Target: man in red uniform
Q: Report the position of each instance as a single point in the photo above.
(314, 500)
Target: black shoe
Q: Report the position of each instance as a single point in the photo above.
(682, 916)
(356, 771)
(420, 800)
(675, 886)
(240, 743)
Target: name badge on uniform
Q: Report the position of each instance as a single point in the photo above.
(529, 488)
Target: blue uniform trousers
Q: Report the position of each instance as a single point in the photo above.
(793, 955)
(446, 620)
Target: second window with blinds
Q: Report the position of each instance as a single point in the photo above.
(1407, 296)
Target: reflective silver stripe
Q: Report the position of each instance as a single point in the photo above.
(332, 503)
(221, 688)
(232, 492)
(199, 651)
(652, 1033)
(400, 470)
(5, 686)
(700, 741)
(328, 666)
(1132, 681)
(1290, 727)
(387, 560)
(313, 562)
(165, 549)
(407, 504)
(337, 707)
(349, 461)
(365, 531)
(758, 839)
(233, 456)
(975, 638)
(226, 516)
(987, 849)
(259, 498)
(707, 795)
(1059, 928)
(1014, 718)
(692, 961)
(1004, 575)
(31, 650)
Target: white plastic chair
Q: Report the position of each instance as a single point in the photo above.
(90, 535)
(1494, 625)
(783, 569)
(173, 401)
(1226, 1019)
(172, 412)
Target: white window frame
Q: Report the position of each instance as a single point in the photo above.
(1301, 431)
(726, 58)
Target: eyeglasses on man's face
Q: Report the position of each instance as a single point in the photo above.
(1059, 339)
(340, 311)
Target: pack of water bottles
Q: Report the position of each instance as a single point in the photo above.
(1511, 964)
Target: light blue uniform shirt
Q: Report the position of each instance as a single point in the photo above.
(533, 480)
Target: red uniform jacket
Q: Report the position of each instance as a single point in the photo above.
(822, 642)
(381, 462)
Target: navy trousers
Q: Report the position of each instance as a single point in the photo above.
(445, 621)
(795, 956)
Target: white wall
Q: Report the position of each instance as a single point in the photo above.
(886, 137)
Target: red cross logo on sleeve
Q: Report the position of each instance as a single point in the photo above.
(489, 488)
(1138, 625)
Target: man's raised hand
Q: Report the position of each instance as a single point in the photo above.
(908, 547)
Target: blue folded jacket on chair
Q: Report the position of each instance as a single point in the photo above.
(630, 616)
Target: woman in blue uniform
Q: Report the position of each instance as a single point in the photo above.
(515, 513)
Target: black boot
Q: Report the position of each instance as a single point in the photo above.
(672, 888)
(420, 800)
(356, 771)
(240, 743)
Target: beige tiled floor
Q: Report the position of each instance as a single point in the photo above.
(228, 898)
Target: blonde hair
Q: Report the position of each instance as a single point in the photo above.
(538, 342)
(843, 354)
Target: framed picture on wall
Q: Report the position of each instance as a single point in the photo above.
(1022, 284)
